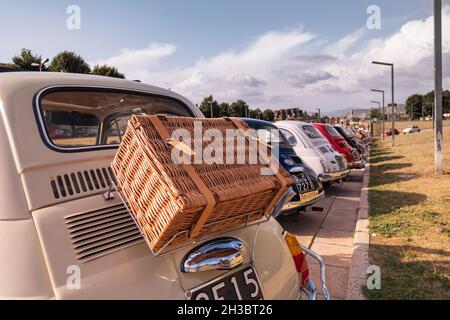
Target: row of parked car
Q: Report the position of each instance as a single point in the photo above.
(316, 154)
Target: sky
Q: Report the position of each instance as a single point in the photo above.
(272, 54)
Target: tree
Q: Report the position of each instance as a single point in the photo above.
(107, 71)
(375, 113)
(224, 108)
(414, 105)
(428, 103)
(67, 61)
(25, 59)
(255, 113)
(446, 102)
(268, 115)
(205, 107)
(238, 108)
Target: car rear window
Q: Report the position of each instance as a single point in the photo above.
(312, 132)
(333, 132)
(87, 118)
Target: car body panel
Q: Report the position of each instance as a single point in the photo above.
(23, 272)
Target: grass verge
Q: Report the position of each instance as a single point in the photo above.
(410, 219)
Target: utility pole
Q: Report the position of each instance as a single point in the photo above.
(319, 115)
(393, 96)
(438, 85)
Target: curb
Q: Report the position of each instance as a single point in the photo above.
(357, 277)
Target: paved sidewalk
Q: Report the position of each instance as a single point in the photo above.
(330, 233)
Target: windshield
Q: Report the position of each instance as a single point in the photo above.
(92, 117)
(312, 132)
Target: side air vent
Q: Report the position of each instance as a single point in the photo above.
(101, 232)
(71, 184)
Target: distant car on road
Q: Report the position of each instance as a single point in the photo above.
(411, 129)
(388, 132)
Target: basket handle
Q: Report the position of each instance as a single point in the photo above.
(210, 199)
(240, 125)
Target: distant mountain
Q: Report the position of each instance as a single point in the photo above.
(340, 112)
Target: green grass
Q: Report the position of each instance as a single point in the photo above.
(410, 219)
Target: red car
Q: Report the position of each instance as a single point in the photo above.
(339, 143)
(388, 132)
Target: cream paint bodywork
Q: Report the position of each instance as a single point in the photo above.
(35, 246)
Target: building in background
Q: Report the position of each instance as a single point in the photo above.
(358, 114)
(5, 68)
(399, 109)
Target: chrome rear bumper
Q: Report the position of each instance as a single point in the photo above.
(301, 204)
(310, 290)
(357, 165)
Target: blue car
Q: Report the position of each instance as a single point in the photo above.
(307, 186)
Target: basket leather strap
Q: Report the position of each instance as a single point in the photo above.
(239, 124)
(210, 199)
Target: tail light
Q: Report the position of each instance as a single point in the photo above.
(299, 257)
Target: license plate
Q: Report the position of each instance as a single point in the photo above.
(304, 184)
(309, 196)
(241, 285)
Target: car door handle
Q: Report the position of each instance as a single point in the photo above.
(219, 254)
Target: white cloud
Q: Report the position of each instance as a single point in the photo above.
(342, 45)
(132, 60)
(283, 69)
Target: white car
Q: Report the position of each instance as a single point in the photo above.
(313, 148)
(65, 233)
(411, 129)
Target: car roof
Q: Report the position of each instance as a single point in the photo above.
(257, 122)
(12, 82)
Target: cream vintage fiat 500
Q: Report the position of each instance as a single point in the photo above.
(65, 232)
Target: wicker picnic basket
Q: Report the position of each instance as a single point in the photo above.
(174, 203)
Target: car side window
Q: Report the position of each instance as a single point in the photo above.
(289, 137)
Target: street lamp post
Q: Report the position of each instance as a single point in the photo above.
(437, 119)
(379, 113)
(211, 109)
(383, 111)
(392, 91)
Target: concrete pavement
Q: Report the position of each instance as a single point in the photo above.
(330, 233)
